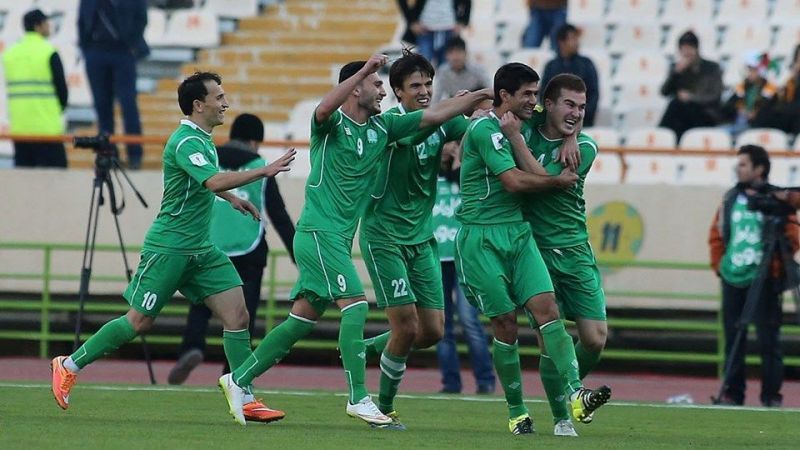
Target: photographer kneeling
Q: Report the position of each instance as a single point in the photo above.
(737, 245)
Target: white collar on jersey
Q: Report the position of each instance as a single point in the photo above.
(189, 123)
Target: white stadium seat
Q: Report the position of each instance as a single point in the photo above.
(646, 168)
(585, 11)
(640, 117)
(512, 11)
(489, 59)
(534, 57)
(651, 138)
(299, 126)
(785, 171)
(704, 170)
(511, 36)
(193, 28)
(786, 39)
(641, 66)
(236, 9)
(12, 29)
(731, 11)
(680, 12)
(769, 138)
(742, 37)
(156, 32)
(785, 12)
(639, 94)
(706, 138)
(602, 62)
(606, 169)
(593, 35)
(605, 137)
(640, 9)
(632, 36)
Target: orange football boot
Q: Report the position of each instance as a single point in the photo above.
(257, 411)
(63, 380)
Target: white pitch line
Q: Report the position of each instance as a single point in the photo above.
(145, 388)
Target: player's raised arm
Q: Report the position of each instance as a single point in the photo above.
(338, 95)
(447, 109)
(511, 126)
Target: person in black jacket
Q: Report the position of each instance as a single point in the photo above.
(431, 23)
(111, 38)
(246, 135)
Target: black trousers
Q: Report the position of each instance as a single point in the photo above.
(29, 154)
(767, 320)
(682, 116)
(194, 335)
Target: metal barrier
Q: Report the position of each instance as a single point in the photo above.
(273, 311)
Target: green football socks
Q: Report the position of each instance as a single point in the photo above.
(237, 346)
(506, 364)
(275, 345)
(392, 370)
(352, 349)
(107, 339)
(554, 388)
(375, 345)
(587, 360)
(561, 350)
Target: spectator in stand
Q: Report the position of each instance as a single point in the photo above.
(37, 93)
(431, 23)
(569, 61)
(751, 101)
(547, 17)
(785, 113)
(457, 73)
(111, 38)
(695, 86)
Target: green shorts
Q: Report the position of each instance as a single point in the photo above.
(197, 277)
(324, 261)
(404, 274)
(499, 267)
(579, 291)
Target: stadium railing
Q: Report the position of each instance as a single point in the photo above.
(276, 308)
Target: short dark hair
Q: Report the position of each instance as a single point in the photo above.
(194, 88)
(247, 127)
(510, 77)
(561, 81)
(690, 39)
(350, 69)
(407, 65)
(33, 18)
(564, 31)
(758, 156)
(455, 43)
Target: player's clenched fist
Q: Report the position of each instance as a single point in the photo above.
(375, 62)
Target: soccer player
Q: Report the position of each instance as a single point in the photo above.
(397, 233)
(349, 139)
(178, 254)
(558, 223)
(496, 258)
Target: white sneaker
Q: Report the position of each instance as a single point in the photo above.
(368, 412)
(565, 428)
(235, 397)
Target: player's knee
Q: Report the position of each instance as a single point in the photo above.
(505, 328)
(429, 337)
(595, 342)
(545, 308)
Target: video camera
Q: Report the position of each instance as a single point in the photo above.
(765, 202)
(100, 143)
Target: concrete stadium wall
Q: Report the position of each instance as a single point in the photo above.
(52, 206)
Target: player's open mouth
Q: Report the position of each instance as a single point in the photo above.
(570, 122)
(424, 101)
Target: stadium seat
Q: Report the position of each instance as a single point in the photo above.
(585, 11)
(786, 39)
(511, 36)
(640, 117)
(156, 31)
(605, 137)
(512, 11)
(480, 34)
(785, 12)
(594, 35)
(638, 66)
(639, 94)
(632, 36)
(66, 31)
(731, 11)
(193, 28)
(488, 58)
(677, 13)
(236, 9)
(706, 138)
(650, 138)
(643, 10)
(274, 131)
(606, 169)
(704, 170)
(741, 37)
(51, 6)
(602, 62)
(534, 57)
(483, 8)
(299, 126)
(769, 138)
(12, 28)
(785, 171)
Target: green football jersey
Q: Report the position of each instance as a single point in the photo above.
(401, 211)
(558, 217)
(486, 153)
(182, 226)
(345, 167)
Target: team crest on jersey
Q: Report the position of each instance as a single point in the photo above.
(526, 134)
(497, 140)
(433, 140)
(372, 136)
(198, 159)
(347, 131)
(554, 155)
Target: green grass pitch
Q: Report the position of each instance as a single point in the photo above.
(144, 417)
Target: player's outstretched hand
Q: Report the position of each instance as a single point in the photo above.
(281, 164)
(245, 207)
(375, 62)
(566, 179)
(510, 124)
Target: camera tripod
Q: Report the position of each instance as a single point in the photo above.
(775, 244)
(105, 162)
